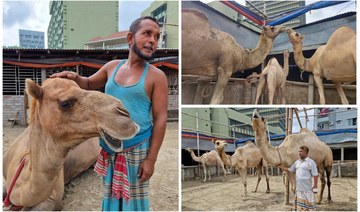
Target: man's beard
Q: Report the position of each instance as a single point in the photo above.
(139, 53)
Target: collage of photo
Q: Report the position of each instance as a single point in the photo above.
(179, 105)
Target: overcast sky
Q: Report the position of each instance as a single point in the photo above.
(34, 15)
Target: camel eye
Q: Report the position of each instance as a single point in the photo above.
(67, 104)
(297, 34)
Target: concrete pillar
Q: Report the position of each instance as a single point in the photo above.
(311, 90)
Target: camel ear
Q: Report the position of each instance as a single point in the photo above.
(33, 89)
(213, 140)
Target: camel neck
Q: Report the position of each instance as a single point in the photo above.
(40, 173)
(286, 65)
(225, 158)
(194, 157)
(258, 55)
(270, 154)
(302, 62)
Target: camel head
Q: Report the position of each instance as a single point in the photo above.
(258, 122)
(294, 37)
(189, 150)
(286, 53)
(69, 115)
(272, 31)
(220, 145)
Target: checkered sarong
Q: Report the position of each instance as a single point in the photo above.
(123, 191)
(305, 201)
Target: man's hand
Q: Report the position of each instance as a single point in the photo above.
(65, 74)
(146, 170)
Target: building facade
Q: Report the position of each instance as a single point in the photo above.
(167, 14)
(230, 122)
(336, 118)
(31, 39)
(73, 23)
(274, 8)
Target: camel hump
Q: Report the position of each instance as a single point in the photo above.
(273, 60)
(195, 12)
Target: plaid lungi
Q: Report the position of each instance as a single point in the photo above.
(138, 192)
(305, 201)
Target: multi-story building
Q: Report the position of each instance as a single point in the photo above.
(336, 118)
(230, 122)
(167, 14)
(31, 39)
(73, 23)
(274, 8)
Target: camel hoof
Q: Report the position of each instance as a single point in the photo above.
(267, 192)
(253, 191)
(330, 201)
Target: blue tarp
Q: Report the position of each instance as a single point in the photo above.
(302, 10)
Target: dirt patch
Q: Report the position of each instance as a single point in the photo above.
(85, 191)
(216, 195)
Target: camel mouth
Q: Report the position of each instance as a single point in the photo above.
(256, 114)
(114, 144)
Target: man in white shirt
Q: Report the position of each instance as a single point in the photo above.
(305, 169)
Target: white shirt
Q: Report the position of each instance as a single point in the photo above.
(305, 170)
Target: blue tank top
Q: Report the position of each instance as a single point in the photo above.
(136, 101)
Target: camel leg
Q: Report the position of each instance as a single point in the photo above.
(267, 177)
(222, 80)
(271, 92)
(204, 167)
(260, 88)
(258, 170)
(328, 173)
(320, 86)
(282, 94)
(322, 179)
(219, 161)
(341, 92)
(244, 176)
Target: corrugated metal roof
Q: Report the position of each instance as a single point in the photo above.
(112, 36)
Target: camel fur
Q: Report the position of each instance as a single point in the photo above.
(287, 153)
(335, 60)
(55, 145)
(274, 76)
(245, 157)
(207, 160)
(209, 52)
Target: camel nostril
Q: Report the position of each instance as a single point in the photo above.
(123, 112)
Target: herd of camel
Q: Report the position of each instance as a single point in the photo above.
(209, 52)
(262, 153)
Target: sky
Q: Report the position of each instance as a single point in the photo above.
(34, 15)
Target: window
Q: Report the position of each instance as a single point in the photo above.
(338, 122)
(352, 122)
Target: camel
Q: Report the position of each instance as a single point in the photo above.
(287, 153)
(55, 147)
(335, 60)
(247, 156)
(208, 159)
(275, 77)
(209, 52)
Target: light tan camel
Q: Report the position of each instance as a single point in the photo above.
(274, 76)
(209, 52)
(287, 153)
(335, 60)
(247, 156)
(207, 160)
(55, 145)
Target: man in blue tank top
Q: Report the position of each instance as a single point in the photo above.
(143, 90)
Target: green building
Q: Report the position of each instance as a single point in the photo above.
(73, 23)
(230, 122)
(167, 14)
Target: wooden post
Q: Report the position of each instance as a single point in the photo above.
(311, 90)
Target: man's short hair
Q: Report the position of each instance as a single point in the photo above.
(135, 25)
(305, 148)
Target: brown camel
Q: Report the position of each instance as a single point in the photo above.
(335, 60)
(275, 77)
(247, 156)
(207, 160)
(208, 52)
(287, 153)
(55, 146)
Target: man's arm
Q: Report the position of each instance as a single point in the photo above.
(159, 110)
(95, 81)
